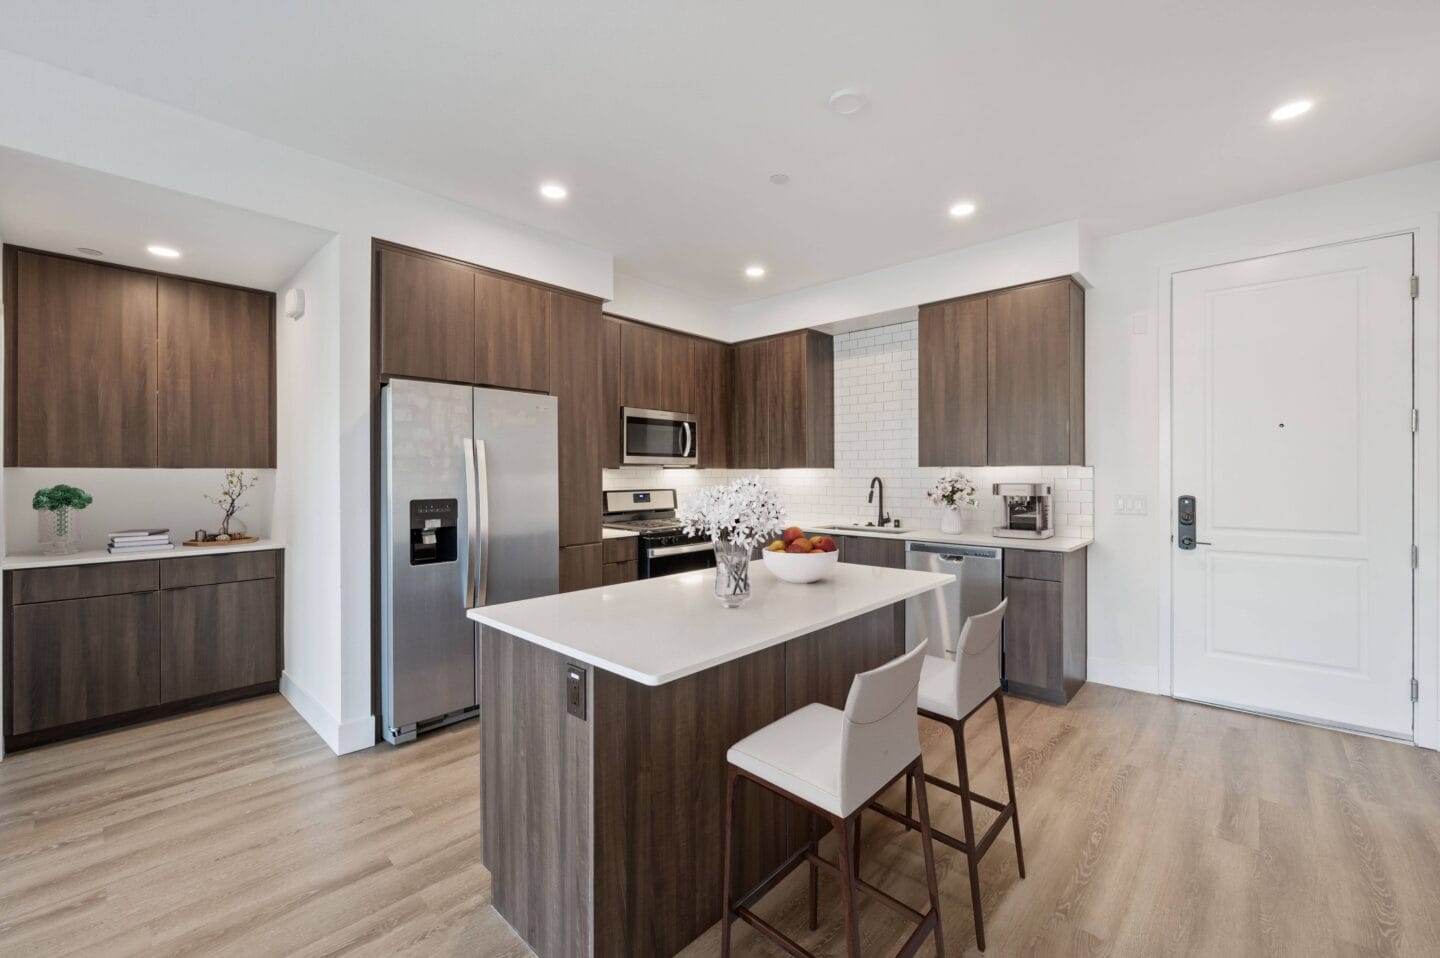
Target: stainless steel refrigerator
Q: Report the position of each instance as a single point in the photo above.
(470, 487)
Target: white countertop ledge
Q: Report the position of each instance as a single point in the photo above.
(655, 631)
(1052, 544)
(93, 556)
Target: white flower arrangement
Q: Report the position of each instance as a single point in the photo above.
(952, 491)
(745, 512)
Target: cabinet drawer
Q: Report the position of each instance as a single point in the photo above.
(211, 570)
(621, 550)
(83, 581)
(1026, 564)
(615, 573)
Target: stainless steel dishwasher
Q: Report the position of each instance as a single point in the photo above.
(942, 612)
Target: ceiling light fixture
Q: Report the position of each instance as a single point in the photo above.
(755, 272)
(553, 191)
(164, 252)
(960, 210)
(1289, 111)
(847, 102)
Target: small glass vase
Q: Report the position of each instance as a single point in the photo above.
(59, 532)
(732, 573)
(950, 522)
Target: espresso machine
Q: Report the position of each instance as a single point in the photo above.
(1027, 510)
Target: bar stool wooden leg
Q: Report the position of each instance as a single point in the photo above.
(847, 887)
(814, 872)
(917, 775)
(971, 859)
(1010, 780)
(730, 784)
(859, 817)
(910, 799)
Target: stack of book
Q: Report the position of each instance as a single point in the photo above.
(140, 540)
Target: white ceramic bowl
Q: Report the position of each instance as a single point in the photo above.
(800, 566)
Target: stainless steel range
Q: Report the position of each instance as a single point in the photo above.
(664, 547)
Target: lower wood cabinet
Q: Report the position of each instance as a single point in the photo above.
(622, 561)
(1045, 639)
(868, 550)
(581, 567)
(95, 646)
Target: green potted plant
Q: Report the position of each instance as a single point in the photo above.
(56, 506)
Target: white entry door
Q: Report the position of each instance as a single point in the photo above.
(1292, 431)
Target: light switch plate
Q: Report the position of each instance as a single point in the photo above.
(1132, 505)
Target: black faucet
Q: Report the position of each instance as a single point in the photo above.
(881, 519)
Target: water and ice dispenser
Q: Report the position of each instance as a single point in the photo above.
(433, 533)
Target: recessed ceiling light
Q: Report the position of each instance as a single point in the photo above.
(1289, 111)
(847, 102)
(964, 209)
(755, 272)
(88, 251)
(164, 252)
(553, 191)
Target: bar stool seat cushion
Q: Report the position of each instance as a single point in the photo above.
(799, 753)
(938, 686)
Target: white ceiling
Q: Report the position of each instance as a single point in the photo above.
(45, 204)
(666, 118)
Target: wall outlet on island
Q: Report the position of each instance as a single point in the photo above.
(1132, 505)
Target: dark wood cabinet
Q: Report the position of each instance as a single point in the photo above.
(111, 366)
(1037, 375)
(217, 637)
(622, 560)
(581, 567)
(512, 335)
(871, 550)
(577, 333)
(111, 643)
(217, 376)
(427, 317)
(655, 368)
(1002, 378)
(784, 402)
(81, 363)
(714, 392)
(1045, 628)
(79, 660)
(953, 371)
(611, 375)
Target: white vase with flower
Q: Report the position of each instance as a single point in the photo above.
(952, 492)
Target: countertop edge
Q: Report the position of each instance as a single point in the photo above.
(1052, 544)
(19, 561)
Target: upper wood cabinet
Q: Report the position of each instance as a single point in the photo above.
(109, 366)
(577, 337)
(661, 369)
(784, 406)
(610, 376)
(217, 376)
(512, 333)
(1002, 378)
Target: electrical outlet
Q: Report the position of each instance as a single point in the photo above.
(575, 691)
(1132, 505)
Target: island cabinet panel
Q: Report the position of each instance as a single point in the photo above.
(217, 376)
(954, 375)
(427, 317)
(77, 660)
(512, 338)
(660, 790)
(536, 830)
(1036, 375)
(784, 402)
(578, 333)
(214, 638)
(1045, 627)
(81, 363)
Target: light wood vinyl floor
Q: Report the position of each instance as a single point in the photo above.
(1151, 827)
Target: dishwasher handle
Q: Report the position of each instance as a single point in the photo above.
(954, 553)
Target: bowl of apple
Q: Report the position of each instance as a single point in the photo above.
(796, 557)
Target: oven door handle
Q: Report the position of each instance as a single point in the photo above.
(660, 552)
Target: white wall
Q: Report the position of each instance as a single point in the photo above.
(637, 299)
(1127, 376)
(133, 498)
(70, 118)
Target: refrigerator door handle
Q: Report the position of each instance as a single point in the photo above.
(482, 511)
(470, 517)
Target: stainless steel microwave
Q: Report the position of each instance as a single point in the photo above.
(654, 437)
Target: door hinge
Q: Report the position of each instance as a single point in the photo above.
(1414, 557)
(1414, 286)
(1414, 690)
(1414, 420)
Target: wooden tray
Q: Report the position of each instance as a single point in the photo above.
(232, 541)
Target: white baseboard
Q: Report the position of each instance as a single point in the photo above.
(342, 737)
(1122, 674)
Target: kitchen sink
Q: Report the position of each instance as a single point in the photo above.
(865, 527)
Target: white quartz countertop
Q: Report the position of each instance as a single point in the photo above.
(91, 556)
(1053, 544)
(618, 533)
(655, 631)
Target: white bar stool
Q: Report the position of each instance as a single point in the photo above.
(833, 764)
(951, 692)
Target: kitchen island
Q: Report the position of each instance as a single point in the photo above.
(605, 718)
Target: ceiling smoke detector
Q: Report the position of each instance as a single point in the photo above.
(847, 102)
(779, 179)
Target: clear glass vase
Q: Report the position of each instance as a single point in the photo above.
(732, 573)
(59, 532)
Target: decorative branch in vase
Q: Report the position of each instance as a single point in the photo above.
(236, 485)
(57, 505)
(739, 516)
(951, 492)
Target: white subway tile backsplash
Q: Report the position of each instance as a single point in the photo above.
(876, 433)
